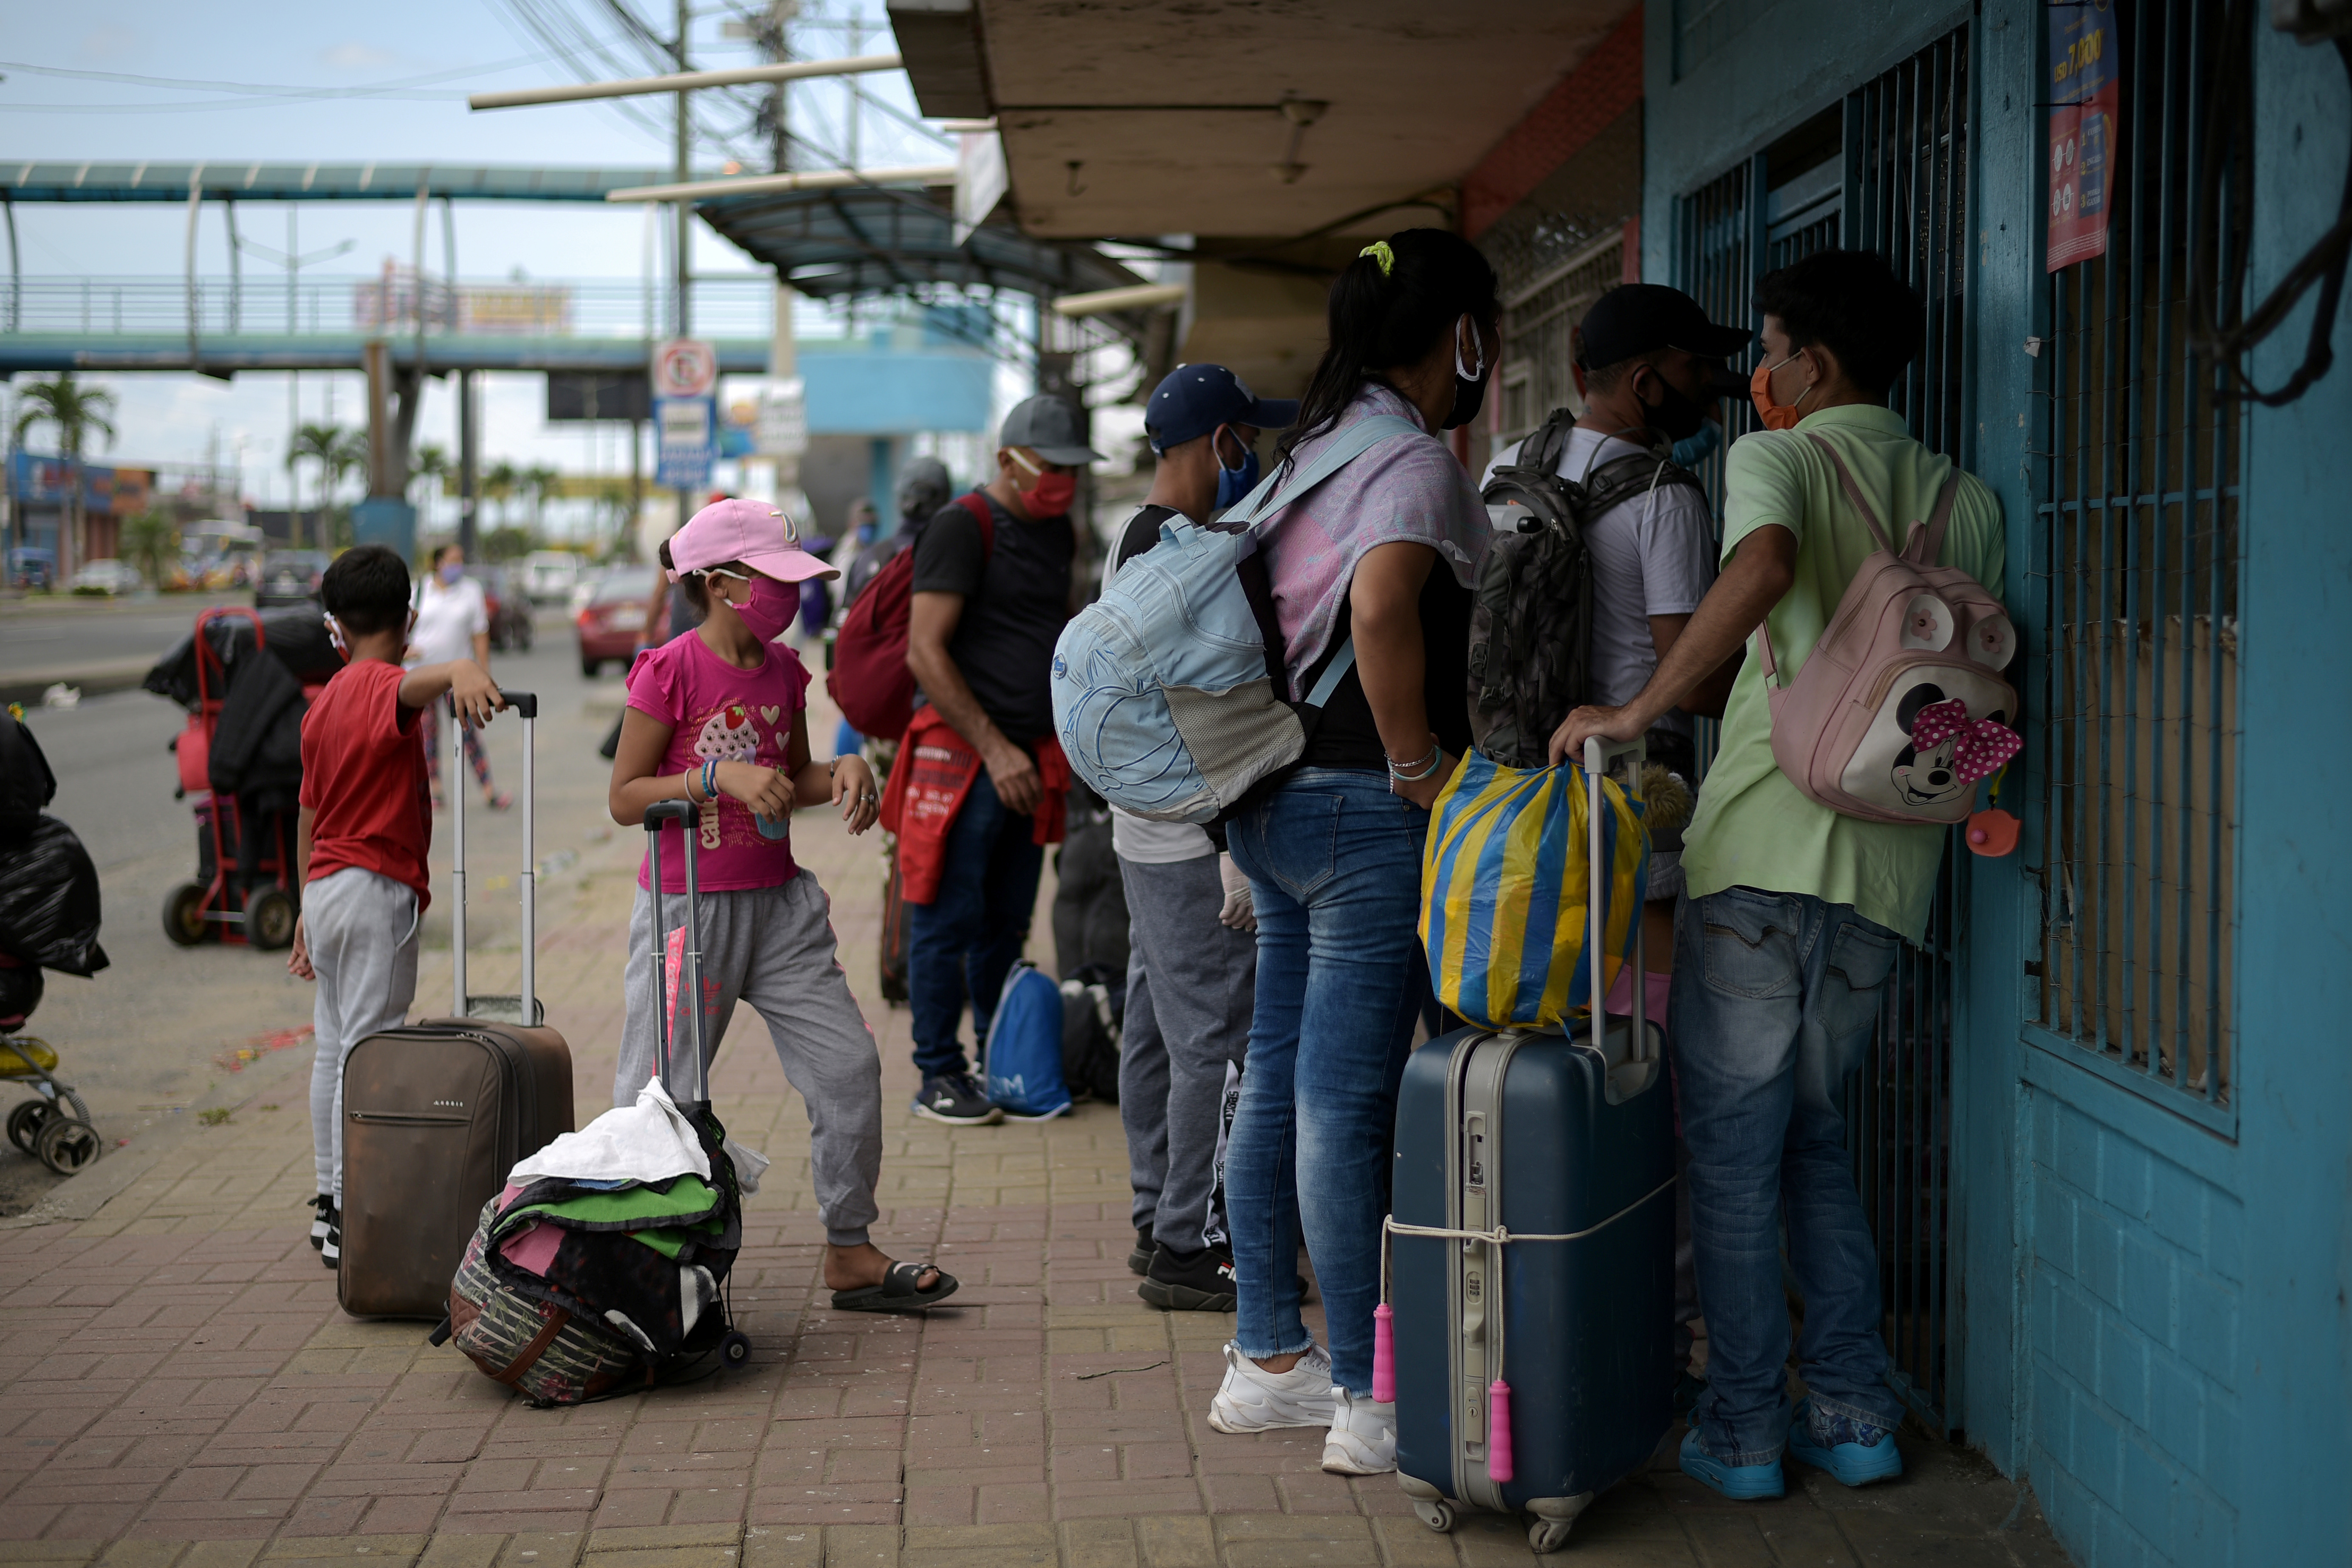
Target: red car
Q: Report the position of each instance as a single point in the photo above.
(613, 616)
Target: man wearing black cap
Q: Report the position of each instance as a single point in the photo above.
(1191, 967)
(981, 627)
(1651, 367)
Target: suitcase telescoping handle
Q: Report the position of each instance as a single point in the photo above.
(526, 704)
(1598, 755)
(690, 967)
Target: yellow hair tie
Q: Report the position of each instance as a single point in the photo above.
(1379, 251)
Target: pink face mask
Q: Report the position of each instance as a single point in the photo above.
(770, 609)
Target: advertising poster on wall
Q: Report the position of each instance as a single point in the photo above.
(2085, 96)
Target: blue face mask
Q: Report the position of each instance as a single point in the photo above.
(1233, 484)
(1696, 448)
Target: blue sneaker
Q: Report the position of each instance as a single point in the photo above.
(1856, 1452)
(1741, 1483)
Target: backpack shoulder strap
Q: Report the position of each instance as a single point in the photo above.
(1854, 492)
(1352, 442)
(1542, 450)
(1941, 517)
(975, 503)
(1620, 477)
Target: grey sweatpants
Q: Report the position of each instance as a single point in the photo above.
(772, 948)
(361, 929)
(1191, 984)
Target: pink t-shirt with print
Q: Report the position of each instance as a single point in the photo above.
(715, 710)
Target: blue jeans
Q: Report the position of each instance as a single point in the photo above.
(964, 942)
(1334, 863)
(1775, 997)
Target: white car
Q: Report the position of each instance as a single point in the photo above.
(107, 577)
(549, 575)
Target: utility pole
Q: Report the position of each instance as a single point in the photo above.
(469, 463)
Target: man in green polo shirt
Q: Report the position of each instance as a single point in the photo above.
(1793, 914)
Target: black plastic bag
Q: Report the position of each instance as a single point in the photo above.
(26, 785)
(258, 745)
(49, 901)
(20, 992)
(296, 638)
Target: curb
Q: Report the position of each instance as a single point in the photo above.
(80, 1197)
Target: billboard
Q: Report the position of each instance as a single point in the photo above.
(574, 396)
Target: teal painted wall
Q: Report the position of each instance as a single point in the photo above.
(2154, 1321)
(2295, 1129)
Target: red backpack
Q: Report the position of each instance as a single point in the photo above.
(869, 679)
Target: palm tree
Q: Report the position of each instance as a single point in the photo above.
(429, 470)
(321, 443)
(150, 541)
(500, 484)
(539, 479)
(77, 410)
(351, 456)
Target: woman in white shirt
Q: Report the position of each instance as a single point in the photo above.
(453, 621)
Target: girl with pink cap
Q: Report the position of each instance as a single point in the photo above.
(720, 719)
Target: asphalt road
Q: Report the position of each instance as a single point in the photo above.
(97, 644)
(145, 1040)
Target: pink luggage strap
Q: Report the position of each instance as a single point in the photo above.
(1500, 1464)
(1938, 520)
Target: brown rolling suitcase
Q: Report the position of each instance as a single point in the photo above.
(434, 1114)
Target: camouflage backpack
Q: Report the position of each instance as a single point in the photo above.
(1532, 619)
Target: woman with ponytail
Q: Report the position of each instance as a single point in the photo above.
(1371, 566)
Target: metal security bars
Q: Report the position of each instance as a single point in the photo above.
(2136, 558)
(1893, 178)
(1906, 145)
(1537, 323)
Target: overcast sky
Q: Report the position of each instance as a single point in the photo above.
(61, 99)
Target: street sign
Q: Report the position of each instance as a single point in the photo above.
(685, 426)
(685, 367)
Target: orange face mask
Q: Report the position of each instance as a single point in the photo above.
(1775, 416)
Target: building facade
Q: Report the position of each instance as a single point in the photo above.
(2101, 1139)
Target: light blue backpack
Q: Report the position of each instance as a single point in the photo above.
(1162, 696)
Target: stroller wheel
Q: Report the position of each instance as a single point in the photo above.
(735, 1349)
(183, 914)
(69, 1143)
(25, 1125)
(270, 918)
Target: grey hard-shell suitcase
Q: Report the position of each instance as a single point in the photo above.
(1530, 1260)
(434, 1114)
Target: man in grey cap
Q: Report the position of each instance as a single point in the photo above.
(980, 628)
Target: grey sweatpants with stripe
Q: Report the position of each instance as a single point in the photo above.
(1191, 984)
(772, 948)
(361, 930)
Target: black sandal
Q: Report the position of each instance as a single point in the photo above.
(898, 1292)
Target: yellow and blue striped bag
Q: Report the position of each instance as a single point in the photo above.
(1504, 885)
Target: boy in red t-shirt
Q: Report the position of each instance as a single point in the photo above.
(360, 845)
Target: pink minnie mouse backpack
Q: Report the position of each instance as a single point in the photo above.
(1900, 709)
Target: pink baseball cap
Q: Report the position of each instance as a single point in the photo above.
(753, 532)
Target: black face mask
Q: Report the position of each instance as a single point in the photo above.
(1674, 415)
(1469, 380)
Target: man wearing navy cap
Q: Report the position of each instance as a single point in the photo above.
(1191, 967)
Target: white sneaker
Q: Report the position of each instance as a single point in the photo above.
(1252, 1399)
(1363, 1435)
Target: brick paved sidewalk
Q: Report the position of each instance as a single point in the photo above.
(179, 1390)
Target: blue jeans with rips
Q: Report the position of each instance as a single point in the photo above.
(1775, 997)
(1334, 863)
(965, 941)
